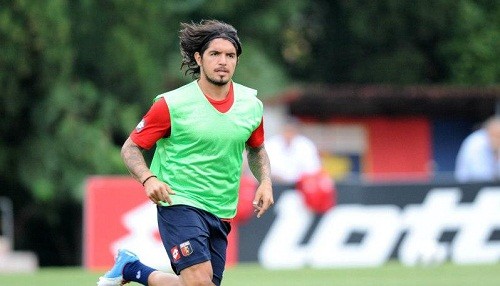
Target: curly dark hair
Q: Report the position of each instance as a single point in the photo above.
(196, 38)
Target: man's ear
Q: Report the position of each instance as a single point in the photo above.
(197, 57)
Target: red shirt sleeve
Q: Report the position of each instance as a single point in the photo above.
(257, 137)
(153, 126)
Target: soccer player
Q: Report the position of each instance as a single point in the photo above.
(200, 130)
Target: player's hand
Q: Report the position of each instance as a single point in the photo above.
(157, 191)
(263, 199)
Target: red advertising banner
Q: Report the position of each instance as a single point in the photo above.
(107, 200)
(117, 214)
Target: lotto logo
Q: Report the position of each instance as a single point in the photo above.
(175, 253)
(410, 232)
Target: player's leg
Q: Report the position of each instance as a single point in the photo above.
(159, 278)
(128, 268)
(145, 275)
(199, 274)
(135, 271)
(218, 247)
(185, 235)
(210, 272)
(115, 275)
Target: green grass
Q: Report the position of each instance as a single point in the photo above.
(251, 274)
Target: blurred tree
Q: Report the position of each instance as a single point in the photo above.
(400, 42)
(36, 57)
(472, 52)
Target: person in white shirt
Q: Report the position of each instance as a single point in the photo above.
(291, 154)
(478, 158)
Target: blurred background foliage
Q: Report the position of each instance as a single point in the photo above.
(76, 76)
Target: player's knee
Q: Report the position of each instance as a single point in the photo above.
(162, 278)
(202, 280)
(197, 276)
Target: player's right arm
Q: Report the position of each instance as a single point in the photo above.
(155, 189)
(153, 126)
(134, 160)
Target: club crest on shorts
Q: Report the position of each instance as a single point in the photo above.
(186, 248)
(176, 255)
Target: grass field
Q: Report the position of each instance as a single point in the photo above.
(393, 274)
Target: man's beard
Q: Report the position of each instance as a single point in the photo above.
(216, 82)
(221, 82)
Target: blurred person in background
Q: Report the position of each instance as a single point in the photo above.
(295, 160)
(200, 130)
(478, 158)
(292, 154)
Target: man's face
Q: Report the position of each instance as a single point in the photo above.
(289, 132)
(219, 61)
(494, 133)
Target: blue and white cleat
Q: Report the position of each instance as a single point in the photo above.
(114, 277)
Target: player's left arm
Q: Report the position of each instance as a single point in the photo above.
(258, 161)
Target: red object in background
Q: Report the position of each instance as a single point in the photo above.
(318, 191)
(107, 199)
(245, 209)
(232, 246)
(399, 149)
